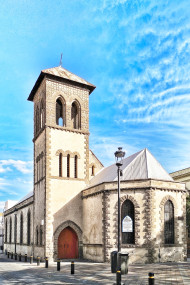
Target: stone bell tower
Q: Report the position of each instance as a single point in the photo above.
(61, 153)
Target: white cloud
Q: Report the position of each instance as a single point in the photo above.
(22, 166)
(3, 183)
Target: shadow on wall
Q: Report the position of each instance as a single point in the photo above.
(70, 215)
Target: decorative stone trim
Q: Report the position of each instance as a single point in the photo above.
(164, 200)
(106, 225)
(59, 229)
(67, 178)
(136, 221)
(148, 220)
(65, 153)
(137, 216)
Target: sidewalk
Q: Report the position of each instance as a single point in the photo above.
(15, 272)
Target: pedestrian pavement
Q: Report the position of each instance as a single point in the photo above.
(15, 272)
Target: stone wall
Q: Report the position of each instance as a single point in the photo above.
(148, 197)
(21, 208)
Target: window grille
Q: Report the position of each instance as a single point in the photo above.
(128, 222)
(169, 222)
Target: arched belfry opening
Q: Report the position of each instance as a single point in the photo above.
(68, 244)
(75, 115)
(60, 113)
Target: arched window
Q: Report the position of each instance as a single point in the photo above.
(41, 236)
(10, 231)
(42, 114)
(128, 222)
(28, 227)
(75, 116)
(76, 166)
(37, 235)
(60, 113)
(60, 164)
(68, 165)
(37, 120)
(169, 222)
(6, 231)
(21, 228)
(15, 228)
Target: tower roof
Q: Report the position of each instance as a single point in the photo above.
(141, 165)
(60, 73)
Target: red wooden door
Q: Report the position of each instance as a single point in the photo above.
(68, 244)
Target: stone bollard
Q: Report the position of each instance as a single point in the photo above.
(46, 262)
(150, 278)
(58, 265)
(31, 259)
(72, 267)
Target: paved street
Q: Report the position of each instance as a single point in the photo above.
(15, 272)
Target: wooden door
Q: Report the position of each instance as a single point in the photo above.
(68, 244)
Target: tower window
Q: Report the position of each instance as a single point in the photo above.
(169, 222)
(37, 120)
(68, 165)
(75, 115)
(75, 166)
(60, 165)
(41, 114)
(92, 170)
(60, 113)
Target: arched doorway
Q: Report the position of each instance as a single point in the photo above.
(68, 244)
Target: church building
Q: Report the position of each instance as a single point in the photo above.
(72, 211)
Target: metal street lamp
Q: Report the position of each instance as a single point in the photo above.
(119, 155)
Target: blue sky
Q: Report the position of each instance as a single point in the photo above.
(137, 53)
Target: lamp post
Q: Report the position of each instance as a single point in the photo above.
(119, 155)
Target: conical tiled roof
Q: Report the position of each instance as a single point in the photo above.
(60, 73)
(141, 165)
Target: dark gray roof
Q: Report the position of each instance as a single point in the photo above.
(30, 194)
(141, 165)
(62, 74)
